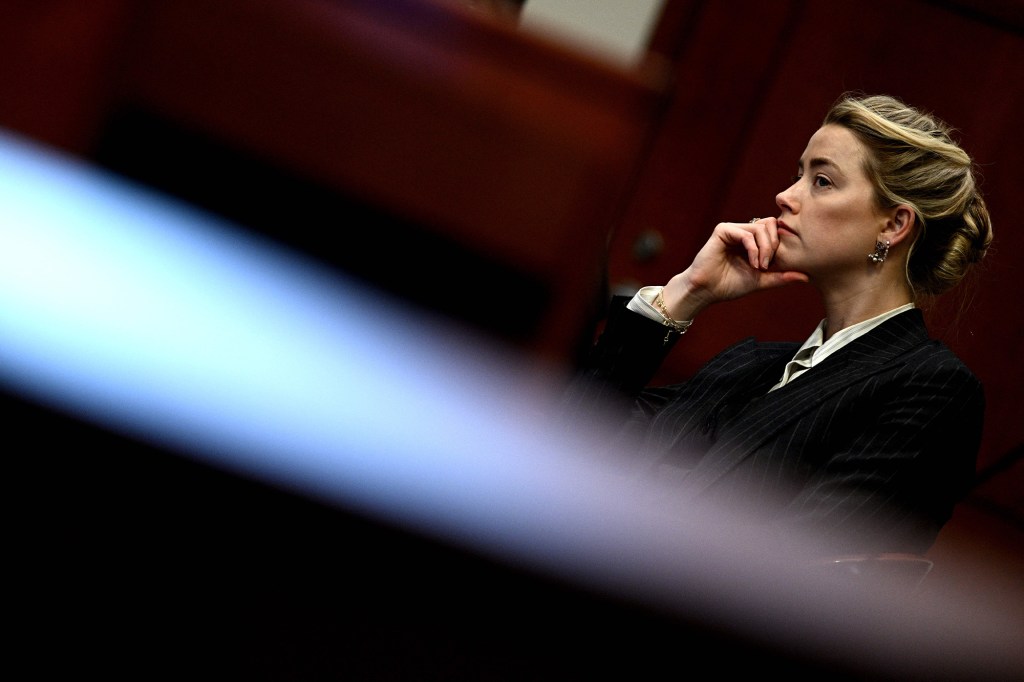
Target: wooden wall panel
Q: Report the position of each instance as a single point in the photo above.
(56, 64)
(421, 145)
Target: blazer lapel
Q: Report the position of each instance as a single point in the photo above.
(768, 413)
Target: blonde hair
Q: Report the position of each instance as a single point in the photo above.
(913, 160)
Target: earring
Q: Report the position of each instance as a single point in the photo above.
(881, 251)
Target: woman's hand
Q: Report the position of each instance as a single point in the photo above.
(734, 262)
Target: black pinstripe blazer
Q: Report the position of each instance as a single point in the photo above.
(870, 450)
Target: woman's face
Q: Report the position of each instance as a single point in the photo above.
(830, 218)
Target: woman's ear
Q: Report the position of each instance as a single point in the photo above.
(900, 225)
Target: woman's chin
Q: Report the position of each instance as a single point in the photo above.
(782, 263)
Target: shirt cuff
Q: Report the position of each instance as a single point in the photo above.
(643, 303)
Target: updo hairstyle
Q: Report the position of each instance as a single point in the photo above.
(913, 160)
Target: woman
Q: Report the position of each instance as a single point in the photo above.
(866, 435)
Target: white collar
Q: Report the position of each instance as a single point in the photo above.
(845, 335)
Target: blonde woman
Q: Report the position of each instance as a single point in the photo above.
(867, 433)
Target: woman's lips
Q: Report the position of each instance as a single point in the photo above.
(783, 228)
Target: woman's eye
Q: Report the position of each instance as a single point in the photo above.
(822, 181)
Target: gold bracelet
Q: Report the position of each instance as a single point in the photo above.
(679, 325)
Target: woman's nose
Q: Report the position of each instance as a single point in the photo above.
(786, 199)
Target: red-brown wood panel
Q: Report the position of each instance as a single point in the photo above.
(517, 149)
(57, 58)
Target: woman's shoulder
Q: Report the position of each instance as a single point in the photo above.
(925, 347)
(932, 364)
(935, 357)
(907, 338)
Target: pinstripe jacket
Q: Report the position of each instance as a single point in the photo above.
(870, 450)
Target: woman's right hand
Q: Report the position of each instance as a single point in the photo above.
(734, 262)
